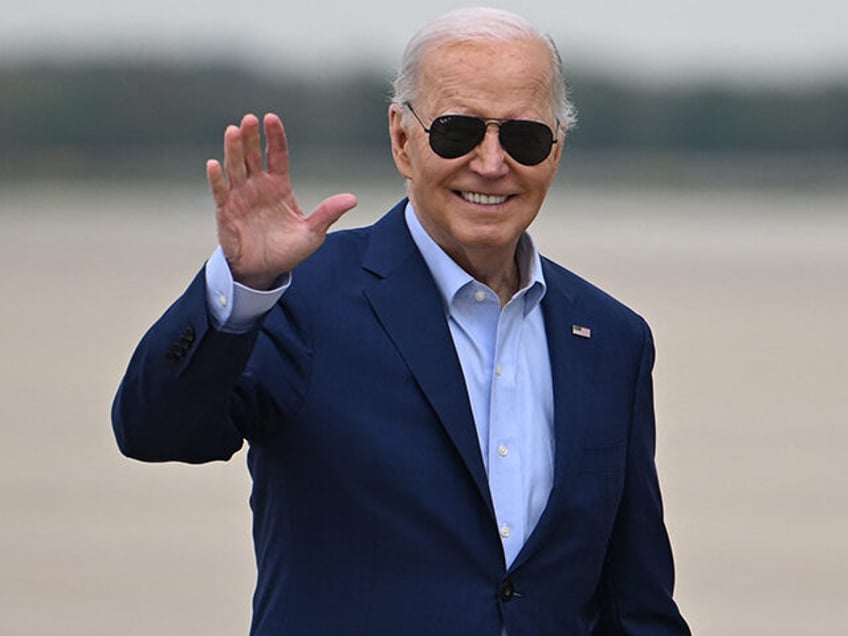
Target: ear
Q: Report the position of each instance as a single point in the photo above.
(400, 140)
(559, 146)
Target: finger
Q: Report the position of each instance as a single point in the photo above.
(277, 145)
(330, 210)
(234, 156)
(217, 182)
(251, 144)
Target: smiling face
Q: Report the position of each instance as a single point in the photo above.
(477, 206)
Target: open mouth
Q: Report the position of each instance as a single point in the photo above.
(483, 199)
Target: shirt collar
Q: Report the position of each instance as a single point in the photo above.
(451, 278)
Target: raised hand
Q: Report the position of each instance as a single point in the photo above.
(261, 228)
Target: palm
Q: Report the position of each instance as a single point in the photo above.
(261, 228)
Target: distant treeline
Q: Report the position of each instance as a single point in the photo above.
(58, 117)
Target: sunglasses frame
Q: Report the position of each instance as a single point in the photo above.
(486, 123)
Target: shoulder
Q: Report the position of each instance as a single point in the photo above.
(374, 249)
(594, 305)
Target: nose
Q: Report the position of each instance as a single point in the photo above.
(489, 158)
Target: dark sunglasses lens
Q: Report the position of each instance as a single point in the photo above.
(452, 136)
(528, 142)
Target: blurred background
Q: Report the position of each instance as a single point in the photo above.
(706, 186)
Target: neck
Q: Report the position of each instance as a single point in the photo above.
(498, 271)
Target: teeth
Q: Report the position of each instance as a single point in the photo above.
(483, 199)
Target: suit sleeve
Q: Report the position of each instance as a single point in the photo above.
(181, 392)
(638, 582)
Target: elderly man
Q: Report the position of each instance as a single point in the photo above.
(449, 434)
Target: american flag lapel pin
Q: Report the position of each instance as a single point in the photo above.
(580, 330)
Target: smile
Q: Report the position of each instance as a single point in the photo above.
(483, 199)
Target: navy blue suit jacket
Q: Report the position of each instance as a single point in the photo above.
(372, 513)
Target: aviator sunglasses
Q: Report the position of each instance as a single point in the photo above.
(451, 136)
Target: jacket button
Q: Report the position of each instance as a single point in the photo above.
(506, 592)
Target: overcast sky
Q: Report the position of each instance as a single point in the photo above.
(751, 40)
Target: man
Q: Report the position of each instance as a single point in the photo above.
(448, 433)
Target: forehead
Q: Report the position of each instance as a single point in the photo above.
(510, 78)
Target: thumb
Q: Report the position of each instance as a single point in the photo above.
(330, 210)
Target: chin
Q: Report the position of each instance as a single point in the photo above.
(482, 238)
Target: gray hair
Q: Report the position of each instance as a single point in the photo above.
(481, 24)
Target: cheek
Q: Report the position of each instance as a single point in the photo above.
(418, 151)
(539, 183)
(432, 174)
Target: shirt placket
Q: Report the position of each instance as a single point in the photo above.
(504, 448)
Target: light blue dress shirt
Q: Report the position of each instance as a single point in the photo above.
(504, 357)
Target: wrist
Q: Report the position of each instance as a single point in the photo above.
(258, 282)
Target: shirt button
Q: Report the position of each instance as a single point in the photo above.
(505, 531)
(222, 299)
(503, 451)
(480, 296)
(498, 370)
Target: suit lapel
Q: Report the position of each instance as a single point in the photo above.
(410, 308)
(407, 303)
(572, 368)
